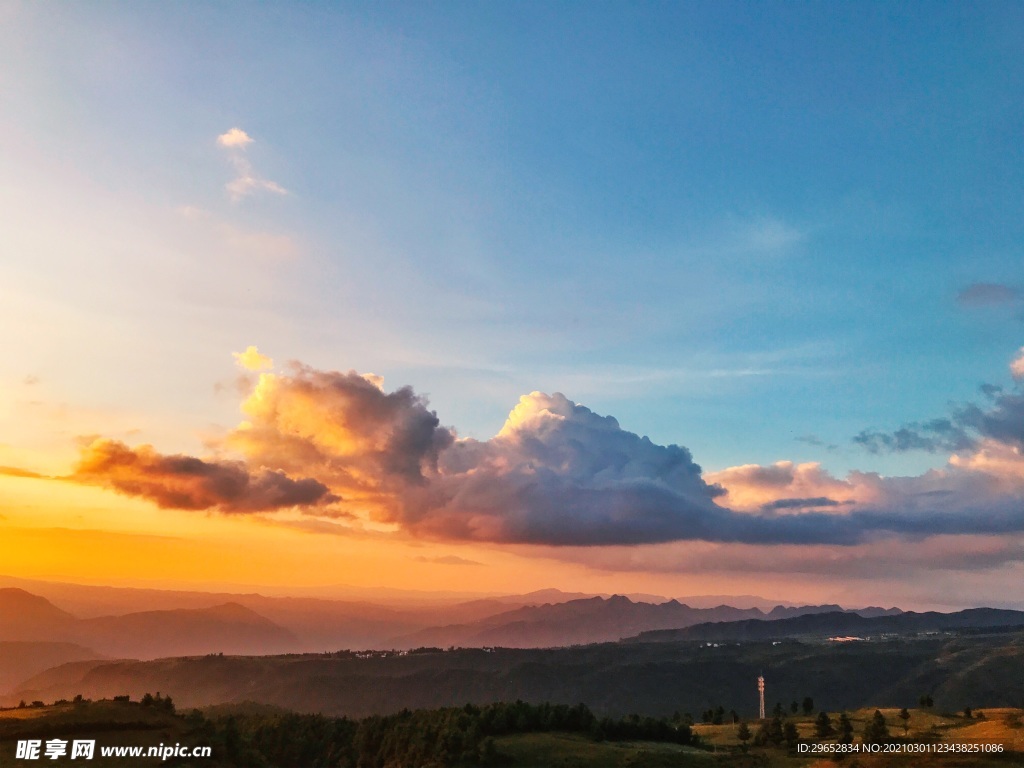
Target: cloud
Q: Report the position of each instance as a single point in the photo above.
(816, 503)
(1017, 366)
(18, 472)
(935, 436)
(754, 487)
(770, 234)
(185, 482)
(246, 182)
(884, 560)
(343, 428)
(988, 294)
(816, 441)
(968, 425)
(447, 560)
(236, 137)
(253, 360)
(556, 474)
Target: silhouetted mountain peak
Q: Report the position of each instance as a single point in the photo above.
(31, 617)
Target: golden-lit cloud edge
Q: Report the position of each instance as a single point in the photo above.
(342, 450)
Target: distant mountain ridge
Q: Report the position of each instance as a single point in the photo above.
(318, 624)
(591, 620)
(20, 660)
(836, 624)
(227, 628)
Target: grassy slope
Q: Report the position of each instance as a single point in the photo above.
(112, 723)
(109, 723)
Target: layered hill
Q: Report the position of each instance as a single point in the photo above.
(543, 618)
(838, 624)
(613, 679)
(20, 660)
(592, 620)
(227, 628)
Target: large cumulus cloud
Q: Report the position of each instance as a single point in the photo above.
(343, 428)
(557, 474)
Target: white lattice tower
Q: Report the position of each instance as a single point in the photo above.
(760, 691)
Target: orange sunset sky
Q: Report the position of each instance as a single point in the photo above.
(691, 299)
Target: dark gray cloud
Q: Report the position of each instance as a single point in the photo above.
(816, 441)
(185, 482)
(988, 294)
(1001, 419)
(817, 501)
(935, 436)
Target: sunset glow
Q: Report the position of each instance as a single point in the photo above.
(308, 298)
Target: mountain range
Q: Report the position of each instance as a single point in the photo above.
(593, 620)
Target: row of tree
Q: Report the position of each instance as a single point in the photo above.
(434, 738)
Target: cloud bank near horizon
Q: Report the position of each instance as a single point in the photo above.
(339, 445)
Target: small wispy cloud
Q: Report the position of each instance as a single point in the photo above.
(988, 295)
(236, 137)
(253, 360)
(19, 472)
(447, 560)
(247, 185)
(769, 234)
(246, 182)
(1017, 366)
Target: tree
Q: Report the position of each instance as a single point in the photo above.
(845, 729)
(905, 717)
(926, 701)
(489, 753)
(790, 734)
(778, 711)
(808, 705)
(776, 734)
(967, 712)
(743, 734)
(794, 707)
(823, 726)
(876, 731)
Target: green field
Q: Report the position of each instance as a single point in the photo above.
(558, 750)
(132, 724)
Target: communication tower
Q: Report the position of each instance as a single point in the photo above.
(760, 691)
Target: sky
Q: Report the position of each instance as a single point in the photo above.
(702, 298)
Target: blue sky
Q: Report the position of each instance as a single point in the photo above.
(738, 227)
